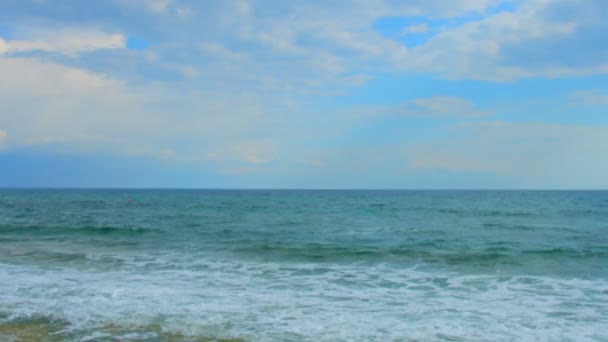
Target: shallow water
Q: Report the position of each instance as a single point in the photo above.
(304, 265)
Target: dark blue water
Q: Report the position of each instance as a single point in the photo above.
(305, 265)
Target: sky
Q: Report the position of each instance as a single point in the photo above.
(411, 94)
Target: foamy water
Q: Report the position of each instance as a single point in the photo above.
(306, 266)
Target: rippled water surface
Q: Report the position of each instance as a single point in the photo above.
(95, 265)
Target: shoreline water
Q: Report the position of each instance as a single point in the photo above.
(304, 266)
(50, 331)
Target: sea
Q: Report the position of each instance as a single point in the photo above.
(303, 265)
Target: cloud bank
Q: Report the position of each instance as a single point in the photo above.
(303, 92)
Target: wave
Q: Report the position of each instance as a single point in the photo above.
(510, 226)
(265, 301)
(569, 252)
(425, 252)
(61, 229)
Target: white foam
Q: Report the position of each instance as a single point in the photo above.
(274, 301)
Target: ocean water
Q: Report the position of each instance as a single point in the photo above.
(144, 265)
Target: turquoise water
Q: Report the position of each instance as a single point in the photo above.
(306, 265)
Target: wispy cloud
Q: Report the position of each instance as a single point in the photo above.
(525, 42)
(416, 29)
(441, 106)
(65, 41)
(307, 89)
(436, 107)
(2, 137)
(537, 154)
(86, 112)
(592, 97)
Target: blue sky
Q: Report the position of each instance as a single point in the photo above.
(304, 94)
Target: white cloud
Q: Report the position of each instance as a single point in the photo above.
(436, 107)
(249, 152)
(302, 44)
(416, 29)
(302, 47)
(188, 71)
(48, 103)
(501, 46)
(65, 41)
(184, 12)
(158, 6)
(250, 70)
(45, 102)
(256, 152)
(2, 137)
(592, 97)
(222, 52)
(526, 42)
(536, 154)
(442, 106)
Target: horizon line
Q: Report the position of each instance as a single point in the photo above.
(287, 189)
